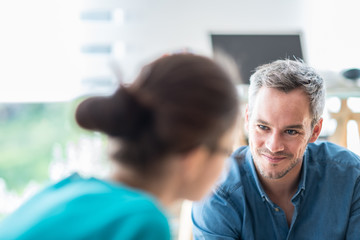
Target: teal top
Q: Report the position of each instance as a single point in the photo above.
(79, 208)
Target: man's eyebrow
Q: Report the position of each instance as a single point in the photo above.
(262, 122)
(295, 126)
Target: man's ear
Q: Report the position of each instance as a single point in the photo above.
(316, 131)
(247, 117)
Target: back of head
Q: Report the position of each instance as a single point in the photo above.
(176, 104)
(287, 75)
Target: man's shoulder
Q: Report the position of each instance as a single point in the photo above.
(330, 153)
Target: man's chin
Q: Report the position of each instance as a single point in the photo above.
(273, 176)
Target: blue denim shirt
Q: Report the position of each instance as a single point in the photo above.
(327, 202)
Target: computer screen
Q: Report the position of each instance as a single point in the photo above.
(251, 51)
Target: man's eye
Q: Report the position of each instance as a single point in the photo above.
(262, 127)
(291, 132)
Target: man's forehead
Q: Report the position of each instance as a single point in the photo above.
(274, 97)
(276, 108)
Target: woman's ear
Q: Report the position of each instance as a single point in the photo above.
(316, 131)
(193, 163)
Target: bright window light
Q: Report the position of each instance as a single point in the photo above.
(118, 16)
(39, 50)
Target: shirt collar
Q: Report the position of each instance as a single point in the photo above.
(263, 195)
(304, 170)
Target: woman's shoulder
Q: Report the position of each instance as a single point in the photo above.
(87, 206)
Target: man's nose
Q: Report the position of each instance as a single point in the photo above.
(274, 143)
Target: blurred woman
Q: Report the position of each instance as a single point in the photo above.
(169, 133)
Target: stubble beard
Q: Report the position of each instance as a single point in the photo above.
(282, 173)
(279, 174)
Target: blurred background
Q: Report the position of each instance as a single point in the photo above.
(54, 53)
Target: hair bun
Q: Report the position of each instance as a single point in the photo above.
(120, 115)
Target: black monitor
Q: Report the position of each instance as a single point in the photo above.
(251, 51)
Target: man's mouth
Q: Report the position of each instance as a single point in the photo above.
(273, 159)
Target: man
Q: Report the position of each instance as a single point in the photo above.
(284, 185)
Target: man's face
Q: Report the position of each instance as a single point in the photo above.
(279, 130)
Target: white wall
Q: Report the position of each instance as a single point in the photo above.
(152, 27)
(332, 30)
(40, 42)
(329, 28)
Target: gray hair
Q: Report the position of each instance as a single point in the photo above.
(287, 75)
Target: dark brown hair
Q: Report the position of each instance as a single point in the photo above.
(176, 104)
